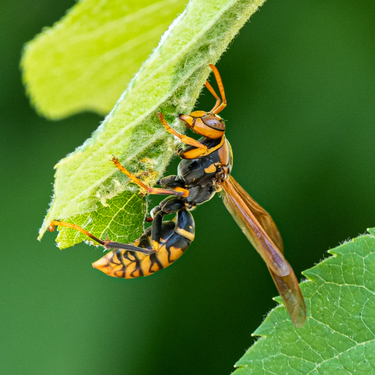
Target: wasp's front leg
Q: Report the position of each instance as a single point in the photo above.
(199, 147)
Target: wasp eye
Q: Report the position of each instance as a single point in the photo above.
(214, 122)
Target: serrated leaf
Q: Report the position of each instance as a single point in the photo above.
(86, 60)
(170, 82)
(339, 334)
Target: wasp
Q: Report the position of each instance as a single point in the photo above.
(205, 169)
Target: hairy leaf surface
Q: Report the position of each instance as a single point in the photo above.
(170, 81)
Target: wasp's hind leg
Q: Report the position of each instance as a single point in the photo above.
(108, 244)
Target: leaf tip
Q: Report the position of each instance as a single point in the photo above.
(278, 299)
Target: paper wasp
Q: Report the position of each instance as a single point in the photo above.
(203, 171)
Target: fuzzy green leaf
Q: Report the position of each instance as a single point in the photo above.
(170, 81)
(339, 335)
(86, 60)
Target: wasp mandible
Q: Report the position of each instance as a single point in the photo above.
(203, 171)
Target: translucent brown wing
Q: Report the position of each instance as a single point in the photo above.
(261, 231)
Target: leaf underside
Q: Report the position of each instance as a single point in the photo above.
(122, 215)
(169, 81)
(339, 335)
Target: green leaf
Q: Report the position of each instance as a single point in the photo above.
(119, 220)
(90, 56)
(339, 335)
(170, 81)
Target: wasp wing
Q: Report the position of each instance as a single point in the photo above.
(263, 217)
(246, 212)
(261, 231)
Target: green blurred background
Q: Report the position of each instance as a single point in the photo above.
(300, 82)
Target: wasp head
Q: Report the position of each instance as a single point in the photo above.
(204, 123)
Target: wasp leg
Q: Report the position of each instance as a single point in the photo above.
(213, 92)
(107, 243)
(169, 205)
(183, 138)
(171, 182)
(217, 108)
(119, 245)
(53, 224)
(181, 192)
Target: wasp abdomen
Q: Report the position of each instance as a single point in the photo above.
(174, 240)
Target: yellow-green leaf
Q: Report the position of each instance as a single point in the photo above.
(170, 81)
(119, 220)
(86, 60)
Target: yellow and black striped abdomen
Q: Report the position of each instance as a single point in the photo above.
(175, 239)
